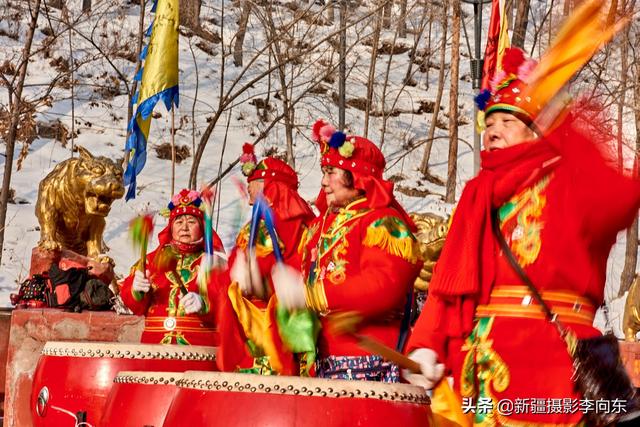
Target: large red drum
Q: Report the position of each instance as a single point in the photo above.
(140, 399)
(245, 400)
(74, 377)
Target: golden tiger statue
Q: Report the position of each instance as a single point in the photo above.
(432, 230)
(73, 201)
(631, 317)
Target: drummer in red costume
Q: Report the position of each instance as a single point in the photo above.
(559, 205)
(359, 255)
(173, 317)
(243, 338)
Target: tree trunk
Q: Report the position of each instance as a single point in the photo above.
(372, 69)
(424, 167)
(386, 14)
(452, 169)
(190, 13)
(631, 252)
(331, 14)
(509, 6)
(57, 4)
(86, 5)
(242, 30)
(520, 27)
(10, 142)
(402, 20)
(281, 61)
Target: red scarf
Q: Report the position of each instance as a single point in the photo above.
(466, 268)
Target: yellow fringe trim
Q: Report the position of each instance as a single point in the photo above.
(403, 247)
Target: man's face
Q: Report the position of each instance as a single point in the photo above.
(505, 130)
(186, 229)
(255, 187)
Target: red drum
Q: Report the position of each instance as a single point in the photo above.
(77, 376)
(140, 399)
(245, 400)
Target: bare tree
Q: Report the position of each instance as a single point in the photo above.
(242, 30)
(424, 166)
(452, 169)
(402, 20)
(375, 42)
(15, 111)
(386, 13)
(631, 251)
(521, 22)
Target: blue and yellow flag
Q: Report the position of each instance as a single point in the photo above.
(158, 81)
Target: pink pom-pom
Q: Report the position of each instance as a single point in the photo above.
(315, 130)
(326, 132)
(248, 157)
(524, 71)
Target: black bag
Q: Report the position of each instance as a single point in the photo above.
(599, 374)
(74, 290)
(96, 295)
(598, 371)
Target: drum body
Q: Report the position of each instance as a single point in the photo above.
(245, 400)
(139, 399)
(77, 376)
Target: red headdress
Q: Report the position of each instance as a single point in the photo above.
(186, 202)
(506, 89)
(280, 185)
(363, 159)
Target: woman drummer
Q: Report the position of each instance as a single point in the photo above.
(359, 255)
(178, 310)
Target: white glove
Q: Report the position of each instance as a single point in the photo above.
(140, 282)
(289, 286)
(249, 281)
(192, 302)
(432, 371)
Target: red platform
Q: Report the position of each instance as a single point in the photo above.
(32, 328)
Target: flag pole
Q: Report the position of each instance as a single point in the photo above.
(173, 150)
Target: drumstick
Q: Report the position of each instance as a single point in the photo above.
(346, 322)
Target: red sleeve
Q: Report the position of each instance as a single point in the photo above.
(608, 198)
(429, 331)
(381, 285)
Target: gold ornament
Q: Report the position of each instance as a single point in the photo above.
(432, 230)
(631, 317)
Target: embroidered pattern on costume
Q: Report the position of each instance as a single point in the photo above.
(484, 364)
(334, 243)
(521, 224)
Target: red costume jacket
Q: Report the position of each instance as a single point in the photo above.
(364, 260)
(166, 321)
(560, 215)
(250, 316)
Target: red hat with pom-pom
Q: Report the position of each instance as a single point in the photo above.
(269, 168)
(354, 153)
(363, 159)
(507, 88)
